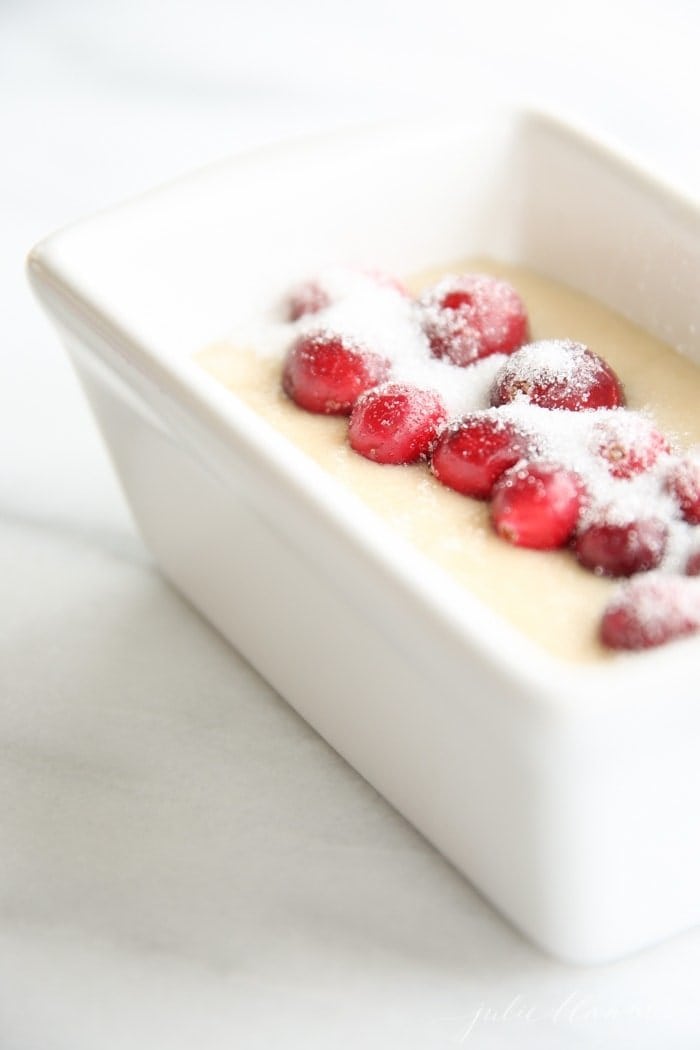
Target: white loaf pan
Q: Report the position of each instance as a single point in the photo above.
(569, 795)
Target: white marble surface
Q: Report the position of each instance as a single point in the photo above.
(183, 864)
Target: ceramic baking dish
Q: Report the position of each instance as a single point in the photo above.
(568, 794)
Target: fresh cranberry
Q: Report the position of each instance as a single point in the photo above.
(472, 454)
(610, 549)
(629, 443)
(387, 280)
(692, 566)
(557, 373)
(471, 316)
(651, 611)
(317, 293)
(396, 423)
(308, 298)
(324, 373)
(536, 505)
(683, 482)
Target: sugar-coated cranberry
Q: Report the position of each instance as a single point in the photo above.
(683, 482)
(308, 298)
(536, 505)
(557, 373)
(692, 566)
(324, 373)
(471, 316)
(611, 549)
(326, 289)
(386, 280)
(396, 423)
(472, 454)
(651, 611)
(629, 443)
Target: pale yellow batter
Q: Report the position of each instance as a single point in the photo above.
(544, 593)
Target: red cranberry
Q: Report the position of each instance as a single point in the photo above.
(396, 423)
(692, 566)
(536, 505)
(629, 443)
(683, 482)
(324, 373)
(308, 298)
(557, 373)
(316, 294)
(651, 611)
(387, 280)
(471, 455)
(610, 549)
(472, 316)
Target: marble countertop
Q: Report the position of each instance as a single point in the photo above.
(183, 863)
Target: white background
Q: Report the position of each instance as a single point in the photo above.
(183, 864)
